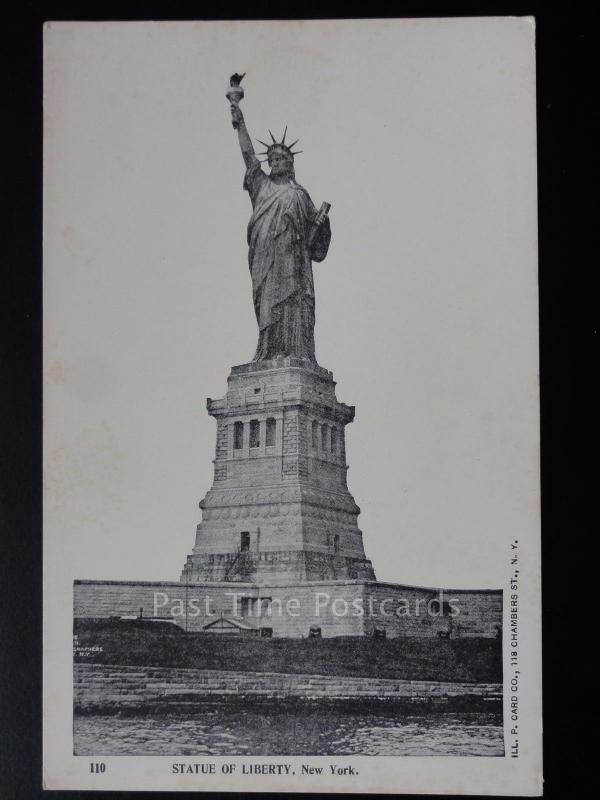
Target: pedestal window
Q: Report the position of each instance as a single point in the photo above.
(254, 433)
(238, 435)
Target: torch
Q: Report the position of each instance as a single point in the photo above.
(235, 92)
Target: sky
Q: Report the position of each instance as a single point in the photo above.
(421, 135)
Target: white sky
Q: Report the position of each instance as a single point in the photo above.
(421, 134)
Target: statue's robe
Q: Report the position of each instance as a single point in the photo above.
(280, 259)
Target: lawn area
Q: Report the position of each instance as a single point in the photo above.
(137, 642)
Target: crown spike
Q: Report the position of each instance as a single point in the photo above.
(264, 144)
(293, 143)
(272, 137)
(296, 152)
(284, 133)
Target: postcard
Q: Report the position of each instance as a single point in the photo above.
(291, 407)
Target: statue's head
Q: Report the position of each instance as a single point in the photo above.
(280, 156)
(281, 162)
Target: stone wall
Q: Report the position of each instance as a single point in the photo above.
(338, 608)
(293, 609)
(105, 686)
(422, 612)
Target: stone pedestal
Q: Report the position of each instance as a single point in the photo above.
(279, 510)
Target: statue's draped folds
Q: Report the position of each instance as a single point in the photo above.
(280, 259)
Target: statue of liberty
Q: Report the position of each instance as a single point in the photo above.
(285, 235)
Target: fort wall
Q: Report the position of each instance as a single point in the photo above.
(337, 608)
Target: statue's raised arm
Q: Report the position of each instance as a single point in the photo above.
(234, 94)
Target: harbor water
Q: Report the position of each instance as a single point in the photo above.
(214, 730)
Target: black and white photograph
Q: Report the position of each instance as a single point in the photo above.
(291, 406)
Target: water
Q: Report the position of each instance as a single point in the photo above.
(212, 731)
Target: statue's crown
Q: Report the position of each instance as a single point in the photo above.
(280, 147)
